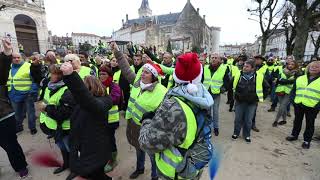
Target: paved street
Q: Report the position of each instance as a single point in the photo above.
(268, 157)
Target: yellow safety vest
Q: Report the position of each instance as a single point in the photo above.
(84, 71)
(284, 88)
(230, 61)
(113, 114)
(21, 81)
(53, 100)
(259, 82)
(143, 102)
(168, 160)
(307, 94)
(216, 81)
(116, 76)
(234, 70)
(170, 82)
(271, 68)
(138, 76)
(263, 70)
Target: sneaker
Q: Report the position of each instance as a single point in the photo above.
(136, 174)
(24, 173)
(275, 124)
(154, 178)
(288, 114)
(216, 131)
(110, 166)
(71, 176)
(247, 139)
(254, 128)
(234, 137)
(306, 145)
(282, 122)
(291, 138)
(230, 110)
(272, 109)
(33, 131)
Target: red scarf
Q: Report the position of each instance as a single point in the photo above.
(108, 81)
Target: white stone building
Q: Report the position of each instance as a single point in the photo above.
(276, 45)
(25, 22)
(230, 50)
(184, 30)
(82, 38)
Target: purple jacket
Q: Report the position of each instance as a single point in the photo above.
(115, 94)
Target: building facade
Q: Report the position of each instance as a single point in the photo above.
(184, 30)
(24, 21)
(276, 45)
(81, 38)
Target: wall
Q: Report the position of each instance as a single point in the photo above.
(39, 17)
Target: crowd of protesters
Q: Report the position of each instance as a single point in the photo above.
(163, 97)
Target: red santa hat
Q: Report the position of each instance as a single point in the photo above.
(155, 69)
(188, 70)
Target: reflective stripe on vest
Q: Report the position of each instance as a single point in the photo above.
(21, 81)
(216, 81)
(84, 71)
(259, 82)
(113, 114)
(284, 88)
(307, 94)
(142, 102)
(168, 160)
(116, 76)
(53, 100)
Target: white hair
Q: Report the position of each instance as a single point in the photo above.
(71, 57)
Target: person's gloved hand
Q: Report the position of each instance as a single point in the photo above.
(147, 115)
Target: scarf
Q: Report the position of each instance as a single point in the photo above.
(289, 73)
(108, 81)
(248, 75)
(53, 86)
(144, 86)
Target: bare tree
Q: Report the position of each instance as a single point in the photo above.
(306, 13)
(289, 25)
(316, 43)
(267, 15)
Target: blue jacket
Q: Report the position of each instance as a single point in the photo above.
(19, 96)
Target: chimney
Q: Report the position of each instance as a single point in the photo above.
(127, 17)
(204, 17)
(198, 10)
(122, 22)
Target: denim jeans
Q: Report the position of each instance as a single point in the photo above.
(215, 112)
(141, 157)
(27, 106)
(63, 144)
(244, 113)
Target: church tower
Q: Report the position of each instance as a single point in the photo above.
(144, 10)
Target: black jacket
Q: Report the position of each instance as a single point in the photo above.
(5, 107)
(90, 138)
(59, 113)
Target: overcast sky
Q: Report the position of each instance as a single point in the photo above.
(101, 17)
